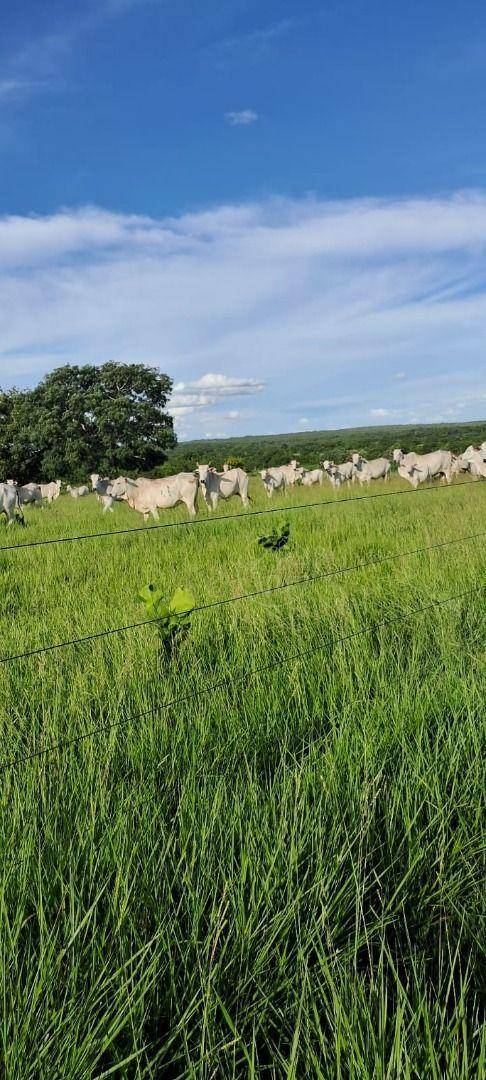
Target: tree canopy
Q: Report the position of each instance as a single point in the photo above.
(81, 419)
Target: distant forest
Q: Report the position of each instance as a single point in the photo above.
(254, 452)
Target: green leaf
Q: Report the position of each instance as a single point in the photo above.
(182, 602)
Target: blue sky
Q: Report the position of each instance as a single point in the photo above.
(282, 205)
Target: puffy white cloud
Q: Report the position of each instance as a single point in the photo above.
(314, 309)
(379, 412)
(241, 118)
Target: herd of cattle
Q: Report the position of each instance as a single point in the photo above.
(150, 496)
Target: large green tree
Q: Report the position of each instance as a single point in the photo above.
(83, 419)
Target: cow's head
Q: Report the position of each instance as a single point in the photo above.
(94, 480)
(203, 471)
(398, 456)
(356, 459)
(122, 487)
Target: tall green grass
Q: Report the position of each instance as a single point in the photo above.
(281, 878)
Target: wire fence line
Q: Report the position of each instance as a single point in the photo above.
(227, 681)
(225, 601)
(244, 516)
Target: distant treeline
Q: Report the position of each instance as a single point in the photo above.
(254, 452)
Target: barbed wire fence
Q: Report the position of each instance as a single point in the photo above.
(230, 680)
(241, 516)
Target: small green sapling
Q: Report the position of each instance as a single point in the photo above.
(173, 619)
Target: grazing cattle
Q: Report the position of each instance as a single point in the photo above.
(475, 453)
(419, 467)
(102, 485)
(77, 492)
(273, 480)
(291, 472)
(149, 496)
(476, 459)
(366, 471)
(223, 485)
(346, 471)
(313, 476)
(51, 491)
(460, 464)
(10, 504)
(332, 472)
(30, 494)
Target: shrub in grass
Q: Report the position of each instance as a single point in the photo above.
(172, 618)
(277, 539)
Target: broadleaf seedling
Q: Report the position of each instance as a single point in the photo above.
(172, 618)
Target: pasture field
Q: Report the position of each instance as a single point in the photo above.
(283, 877)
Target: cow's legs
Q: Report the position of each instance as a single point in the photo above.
(191, 506)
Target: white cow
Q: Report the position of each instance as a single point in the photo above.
(460, 464)
(273, 480)
(472, 453)
(346, 471)
(30, 494)
(313, 476)
(77, 492)
(291, 472)
(419, 467)
(102, 485)
(10, 504)
(149, 496)
(366, 471)
(51, 491)
(332, 473)
(223, 485)
(476, 459)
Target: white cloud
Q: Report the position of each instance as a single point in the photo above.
(209, 391)
(251, 47)
(304, 421)
(222, 385)
(379, 412)
(241, 118)
(41, 64)
(312, 308)
(400, 375)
